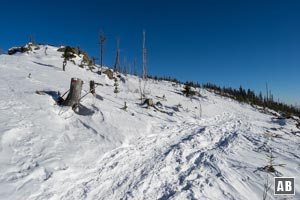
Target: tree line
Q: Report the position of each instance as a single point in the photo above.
(249, 96)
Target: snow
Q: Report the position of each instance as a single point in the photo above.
(50, 152)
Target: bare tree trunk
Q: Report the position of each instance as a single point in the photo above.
(144, 69)
(102, 41)
(267, 91)
(117, 62)
(125, 67)
(134, 67)
(74, 94)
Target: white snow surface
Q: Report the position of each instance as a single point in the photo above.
(50, 152)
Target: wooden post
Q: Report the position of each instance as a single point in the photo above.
(92, 87)
(64, 64)
(75, 93)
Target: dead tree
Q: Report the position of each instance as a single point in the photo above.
(117, 62)
(74, 94)
(125, 67)
(150, 103)
(144, 75)
(31, 39)
(134, 67)
(143, 79)
(267, 92)
(102, 41)
(142, 89)
(130, 71)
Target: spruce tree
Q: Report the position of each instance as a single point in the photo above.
(116, 90)
(187, 90)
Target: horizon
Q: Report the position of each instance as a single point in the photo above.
(232, 43)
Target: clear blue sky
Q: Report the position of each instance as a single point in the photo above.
(230, 43)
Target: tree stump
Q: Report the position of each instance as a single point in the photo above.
(74, 94)
(148, 102)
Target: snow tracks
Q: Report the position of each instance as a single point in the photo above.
(177, 162)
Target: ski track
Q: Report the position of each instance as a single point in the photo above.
(164, 165)
(182, 161)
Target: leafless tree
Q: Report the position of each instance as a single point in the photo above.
(117, 61)
(143, 78)
(125, 66)
(102, 42)
(134, 67)
(144, 75)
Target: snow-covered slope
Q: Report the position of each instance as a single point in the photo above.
(49, 152)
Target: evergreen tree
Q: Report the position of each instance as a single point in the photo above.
(250, 97)
(116, 90)
(187, 90)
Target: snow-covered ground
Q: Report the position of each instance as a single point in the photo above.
(49, 152)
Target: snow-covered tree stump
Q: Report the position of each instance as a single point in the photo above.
(148, 102)
(74, 94)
